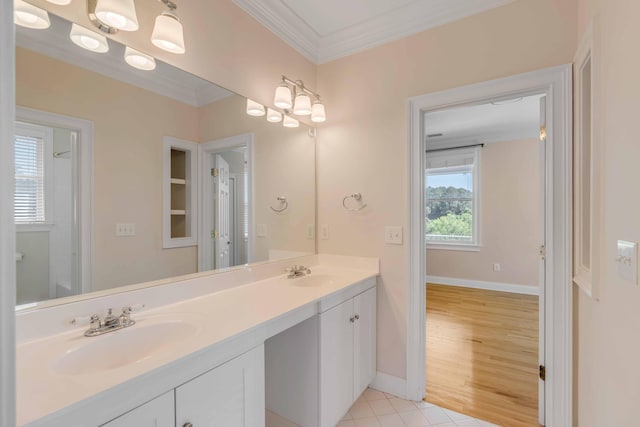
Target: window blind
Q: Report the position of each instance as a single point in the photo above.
(29, 205)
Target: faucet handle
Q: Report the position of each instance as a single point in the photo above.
(94, 322)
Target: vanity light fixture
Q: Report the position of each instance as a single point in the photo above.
(273, 116)
(88, 39)
(289, 90)
(139, 60)
(290, 122)
(168, 33)
(60, 2)
(119, 14)
(29, 16)
(254, 109)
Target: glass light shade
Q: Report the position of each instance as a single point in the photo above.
(254, 108)
(290, 122)
(87, 39)
(273, 116)
(302, 106)
(29, 16)
(60, 2)
(120, 14)
(317, 112)
(139, 60)
(283, 96)
(168, 33)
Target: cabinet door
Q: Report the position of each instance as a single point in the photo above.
(336, 363)
(231, 395)
(364, 341)
(157, 413)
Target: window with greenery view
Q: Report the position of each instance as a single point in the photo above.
(451, 197)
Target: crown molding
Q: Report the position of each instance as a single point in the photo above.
(401, 22)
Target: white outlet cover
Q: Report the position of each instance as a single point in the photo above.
(324, 231)
(311, 231)
(261, 230)
(393, 235)
(627, 261)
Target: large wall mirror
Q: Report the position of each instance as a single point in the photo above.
(91, 163)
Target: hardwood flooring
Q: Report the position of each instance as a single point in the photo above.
(482, 354)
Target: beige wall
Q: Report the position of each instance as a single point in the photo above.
(284, 165)
(511, 219)
(607, 368)
(363, 146)
(127, 163)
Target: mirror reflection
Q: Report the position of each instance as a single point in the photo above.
(126, 176)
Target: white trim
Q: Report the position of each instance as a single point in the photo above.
(396, 24)
(83, 181)
(390, 384)
(453, 247)
(555, 82)
(191, 205)
(481, 284)
(33, 228)
(7, 226)
(205, 245)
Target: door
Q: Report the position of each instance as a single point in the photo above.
(336, 363)
(364, 341)
(221, 233)
(157, 413)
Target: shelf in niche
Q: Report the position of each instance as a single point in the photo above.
(179, 181)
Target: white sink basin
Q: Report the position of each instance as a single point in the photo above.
(125, 347)
(313, 280)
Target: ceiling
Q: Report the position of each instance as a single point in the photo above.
(510, 120)
(330, 29)
(164, 80)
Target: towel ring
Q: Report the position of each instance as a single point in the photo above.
(283, 203)
(354, 196)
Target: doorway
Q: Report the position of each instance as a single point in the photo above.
(484, 228)
(555, 84)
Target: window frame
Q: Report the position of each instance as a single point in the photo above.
(46, 133)
(474, 169)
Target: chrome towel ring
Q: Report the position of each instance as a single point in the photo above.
(355, 196)
(283, 204)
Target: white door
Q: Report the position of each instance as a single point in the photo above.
(542, 262)
(221, 234)
(157, 413)
(336, 363)
(364, 341)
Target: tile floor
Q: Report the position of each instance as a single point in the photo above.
(377, 409)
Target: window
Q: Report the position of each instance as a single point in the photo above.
(33, 160)
(452, 198)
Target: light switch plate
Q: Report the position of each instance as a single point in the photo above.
(311, 231)
(324, 231)
(393, 235)
(261, 230)
(123, 230)
(627, 260)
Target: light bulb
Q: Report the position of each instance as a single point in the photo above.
(254, 108)
(290, 122)
(283, 96)
(120, 14)
(302, 106)
(29, 16)
(273, 116)
(87, 39)
(168, 33)
(139, 60)
(317, 112)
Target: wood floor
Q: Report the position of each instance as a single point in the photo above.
(482, 354)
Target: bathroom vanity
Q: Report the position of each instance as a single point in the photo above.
(196, 355)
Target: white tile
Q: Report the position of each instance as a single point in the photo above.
(347, 423)
(402, 405)
(371, 394)
(471, 422)
(487, 424)
(361, 410)
(436, 415)
(367, 422)
(414, 418)
(456, 416)
(382, 407)
(391, 420)
(347, 417)
(422, 404)
(449, 424)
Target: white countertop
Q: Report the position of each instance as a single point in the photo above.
(229, 321)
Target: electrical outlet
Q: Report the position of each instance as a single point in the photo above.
(393, 235)
(123, 230)
(496, 266)
(627, 260)
(311, 231)
(261, 230)
(324, 231)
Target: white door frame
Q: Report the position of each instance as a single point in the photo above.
(205, 246)
(7, 224)
(83, 182)
(556, 84)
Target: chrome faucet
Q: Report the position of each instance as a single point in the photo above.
(110, 323)
(297, 271)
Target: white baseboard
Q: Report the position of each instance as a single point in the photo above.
(478, 284)
(390, 384)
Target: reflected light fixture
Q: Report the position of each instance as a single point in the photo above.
(317, 112)
(139, 60)
(254, 109)
(87, 39)
(60, 2)
(120, 14)
(29, 16)
(302, 105)
(290, 122)
(273, 116)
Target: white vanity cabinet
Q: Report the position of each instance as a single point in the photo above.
(347, 355)
(231, 395)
